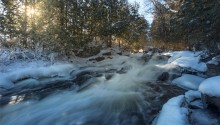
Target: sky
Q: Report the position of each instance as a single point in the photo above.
(143, 9)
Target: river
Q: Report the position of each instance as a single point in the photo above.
(125, 92)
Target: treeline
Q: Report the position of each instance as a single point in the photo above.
(192, 23)
(67, 24)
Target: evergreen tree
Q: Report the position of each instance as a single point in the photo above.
(195, 23)
(67, 24)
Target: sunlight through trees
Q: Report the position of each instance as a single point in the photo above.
(71, 24)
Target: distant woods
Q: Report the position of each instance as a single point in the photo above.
(192, 23)
(63, 25)
(68, 25)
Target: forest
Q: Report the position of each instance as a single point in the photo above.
(66, 25)
(69, 25)
(190, 22)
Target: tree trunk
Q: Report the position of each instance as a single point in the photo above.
(109, 40)
(66, 16)
(25, 27)
(119, 43)
(62, 13)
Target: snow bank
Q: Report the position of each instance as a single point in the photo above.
(40, 72)
(187, 59)
(189, 82)
(35, 75)
(172, 113)
(211, 86)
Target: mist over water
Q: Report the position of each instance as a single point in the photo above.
(125, 99)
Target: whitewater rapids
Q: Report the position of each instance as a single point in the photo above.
(128, 98)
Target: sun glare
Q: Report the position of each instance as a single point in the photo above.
(31, 12)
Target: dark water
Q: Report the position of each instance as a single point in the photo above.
(118, 96)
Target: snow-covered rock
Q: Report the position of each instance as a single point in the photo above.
(35, 75)
(186, 109)
(189, 82)
(211, 86)
(190, 62)
(193, 99)
(187, 59)
(173, 113)
(214, 61)
(192, 95)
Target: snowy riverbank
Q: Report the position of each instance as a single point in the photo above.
(194, 107)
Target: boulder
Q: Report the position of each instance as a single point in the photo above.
(213, 70)
(164, 76)
(146, 57)
(108, 76)
(98, 59)
(173, 75)
(107, 54)
(211, 102)
(120, 53)
(203, 117)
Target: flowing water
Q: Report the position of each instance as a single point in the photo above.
(128, 97)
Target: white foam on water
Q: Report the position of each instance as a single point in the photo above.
(107, 102)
